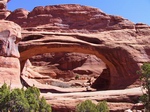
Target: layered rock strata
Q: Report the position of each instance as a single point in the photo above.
(123, 51)
(3, 4)
(118, 42)
(68, 18)
(10, 35)
(118, 100)
(122, 45)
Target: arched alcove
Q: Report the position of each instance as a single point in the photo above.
(120, 63)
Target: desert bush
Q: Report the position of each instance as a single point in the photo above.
(4, 97)
(89, 106)
(145, 79)
(20, 100)
(102, 106)
(77, 76)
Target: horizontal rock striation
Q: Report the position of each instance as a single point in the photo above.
(68, 18)
(118, 100)
(122, 46)
(115, 40)
(123, 51)
(10, 35)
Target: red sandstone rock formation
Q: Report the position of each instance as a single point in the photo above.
(3, 4)
(122, 45)
(119, 50)
(68, 65)
(118, 101)
(108, 46)
(68, 18)
(10, 35)
(65, 18)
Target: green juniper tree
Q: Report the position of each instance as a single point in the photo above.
(145, 79)
(32, 94)
(43, 106)
(20, 100)
(89, 106)
(102, 106)
(86, 106)
(4, 97)
(17, 101)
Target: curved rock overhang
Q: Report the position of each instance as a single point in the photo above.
(119, 50)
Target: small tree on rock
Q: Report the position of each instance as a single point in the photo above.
(89, 106)
(102, 106)
(4, 97)
(20, 100)
(145, 79)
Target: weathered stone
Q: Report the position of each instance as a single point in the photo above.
(3, 4)
(122, 45)
(121, 50)
(113, 39)
(4, 14)
(19, 16)
(10, 35)
(68, 65)
(118, 100)
(10, 71)
(69, 18)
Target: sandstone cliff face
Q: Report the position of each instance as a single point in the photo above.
(3, 4)
(123, 54)
(68, 18)
(113, 39)
(10, 35)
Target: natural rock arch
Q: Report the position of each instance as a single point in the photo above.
(119, 60)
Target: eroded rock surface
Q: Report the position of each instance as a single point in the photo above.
(67, 66)
(10, 35)
(118, 100)
(122, 45)
(3, 4)
(68, 18)
(121, 50)
(110, 38)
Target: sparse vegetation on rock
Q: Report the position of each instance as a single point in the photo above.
(145, 79)
(89, 106)
(77, 76)
(102, 106)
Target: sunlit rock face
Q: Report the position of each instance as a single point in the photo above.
(68, 18)
(10, 34)
(8, 46)
(122, 45)
(4, 13)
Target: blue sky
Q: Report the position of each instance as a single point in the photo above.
(134, 10)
